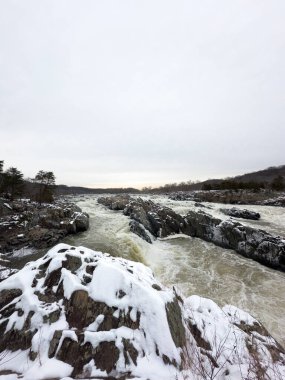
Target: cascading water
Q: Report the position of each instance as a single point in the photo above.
(193, 265)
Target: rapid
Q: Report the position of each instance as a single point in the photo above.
(193, 265)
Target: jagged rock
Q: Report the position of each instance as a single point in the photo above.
(159, 221)
(121, 324)
(139, 230)
(30, 224)
(240, 213)
(116, 202)
(162, 221)
(181, 196)
(248, 241)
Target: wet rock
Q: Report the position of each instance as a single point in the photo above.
(116, 202)
(81, 222)
(241, 213)
(139, 230)
(249, 242)
(159, 221)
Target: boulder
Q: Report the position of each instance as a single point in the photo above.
(81, 221)
(248, 241)
(139, 230)
(115, 202)
(240, 213)
(181, 196)
(80, 313)
(158, 220)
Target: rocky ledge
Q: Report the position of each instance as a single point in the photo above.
(250, 242)
(30, 224)
(263, 197)
(80, 313)
(240, 213)
(150, 220)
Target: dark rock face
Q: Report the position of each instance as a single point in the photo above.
(162, 221)
(182, 196)
(30, 224)
(159, 221)
(241, 196)
(139, 230)
(249, 242)
(241, 213)
(116, 202)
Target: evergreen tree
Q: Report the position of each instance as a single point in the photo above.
(13, 182)
(46, 182)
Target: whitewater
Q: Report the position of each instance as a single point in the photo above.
(193, 265)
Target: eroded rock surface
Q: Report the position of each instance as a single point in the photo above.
(158, 220)
(250, 242)
(30, 224)
(80, 313)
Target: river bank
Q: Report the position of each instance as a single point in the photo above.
(26, 227)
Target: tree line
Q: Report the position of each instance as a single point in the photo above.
(40, 188)
(277, 184)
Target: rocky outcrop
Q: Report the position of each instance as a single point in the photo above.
(158, 220)
(116, 202)
(182, 196)
(241, 196)
(85, 314)
(240, 213)
(161, 221)
(30, 224)
(278, 201)
(139, 230)
(249, 242)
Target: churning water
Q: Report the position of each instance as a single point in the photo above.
(195, 266)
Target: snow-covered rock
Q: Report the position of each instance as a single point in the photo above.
(80, 313)
(31, 224)
(241, 213)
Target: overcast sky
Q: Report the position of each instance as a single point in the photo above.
(138, 92)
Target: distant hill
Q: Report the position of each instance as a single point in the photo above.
(265, 175)
(254, 180)
(72, 190)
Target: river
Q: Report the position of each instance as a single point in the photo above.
(193, 265)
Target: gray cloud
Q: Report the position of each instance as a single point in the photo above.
(140, 92)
